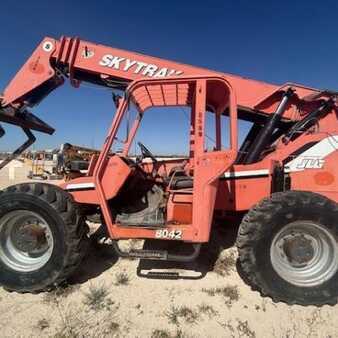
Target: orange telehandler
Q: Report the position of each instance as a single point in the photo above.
(283, 177)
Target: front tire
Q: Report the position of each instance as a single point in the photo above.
(288, 248)
(43, 237)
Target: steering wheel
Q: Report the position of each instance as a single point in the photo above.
(146, 152)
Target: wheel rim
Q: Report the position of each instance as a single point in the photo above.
(26, 240)
(304, 254)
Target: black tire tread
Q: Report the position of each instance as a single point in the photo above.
(75, 229)
(255, 223)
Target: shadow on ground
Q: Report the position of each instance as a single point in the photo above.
(223, 237)
(102, 257)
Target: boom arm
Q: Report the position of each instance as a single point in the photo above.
(53, 60)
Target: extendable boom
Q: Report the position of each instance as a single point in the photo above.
(54, 60)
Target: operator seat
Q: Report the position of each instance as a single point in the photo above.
(180, 180)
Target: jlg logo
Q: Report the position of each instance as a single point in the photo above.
(311, 163)
(315, 156)
(137, 67)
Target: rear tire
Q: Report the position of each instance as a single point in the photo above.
(43, 237)
(288, 248)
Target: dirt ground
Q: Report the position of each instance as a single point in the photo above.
(111, 297)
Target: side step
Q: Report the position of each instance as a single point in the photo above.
(162, 275)
(158, 254)
(173, 275)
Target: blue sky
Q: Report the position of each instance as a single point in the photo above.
(272, 41)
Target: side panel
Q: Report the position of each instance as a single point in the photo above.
(179, 208)
(310, 162)
(323, 180)
(84, 189)
(114, 176)
(240, 194)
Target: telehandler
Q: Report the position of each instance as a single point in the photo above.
(282, 179)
